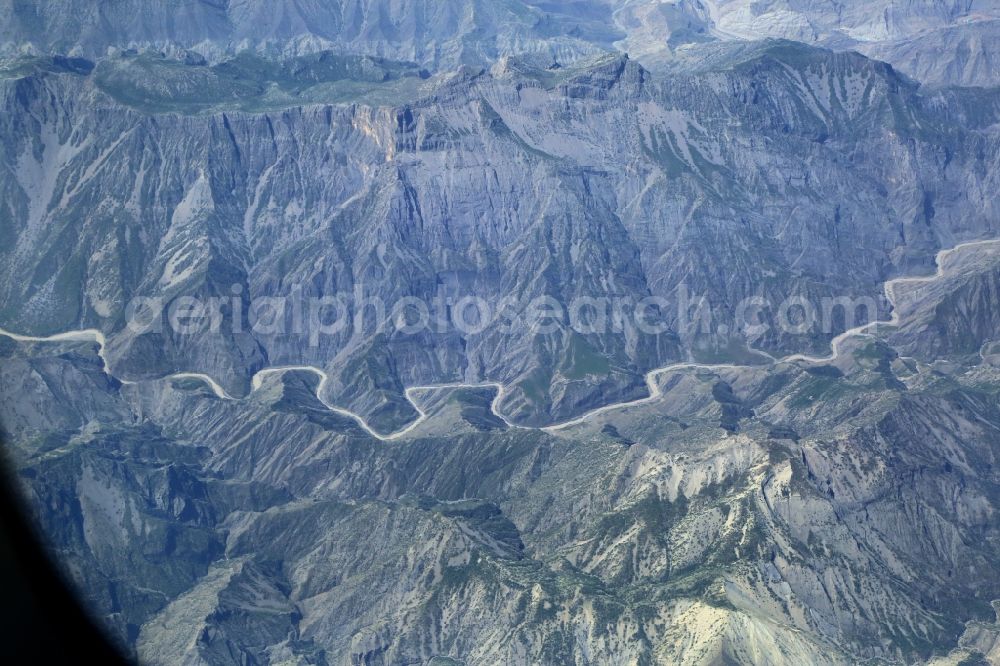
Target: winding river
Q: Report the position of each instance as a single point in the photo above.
(652, 383)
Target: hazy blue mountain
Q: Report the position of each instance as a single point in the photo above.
(430, 32)
(937, 41)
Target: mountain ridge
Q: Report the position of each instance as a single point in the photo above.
(682, 484)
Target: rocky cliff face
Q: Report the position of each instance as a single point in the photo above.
(746, 504)
(772, 172)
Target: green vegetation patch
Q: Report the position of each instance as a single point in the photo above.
(156, 84)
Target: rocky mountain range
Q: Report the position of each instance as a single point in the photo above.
(940, 42)
(676, 485)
